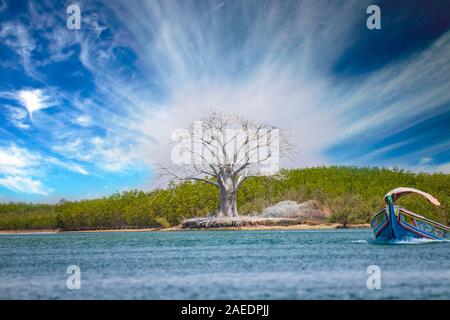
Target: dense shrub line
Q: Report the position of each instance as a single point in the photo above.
(351, 194)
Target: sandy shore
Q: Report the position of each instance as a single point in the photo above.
(26, 231)
(178, 228)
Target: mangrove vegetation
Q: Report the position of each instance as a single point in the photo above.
(351, 194)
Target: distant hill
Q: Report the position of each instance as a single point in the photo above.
(62, 201)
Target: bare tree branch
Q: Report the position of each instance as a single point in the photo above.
(226, 161)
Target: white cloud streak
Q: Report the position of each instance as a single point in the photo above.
(22, 170)
(25, 185)
(106, 154)
(83, 120)
(17, 165)
(16, 36)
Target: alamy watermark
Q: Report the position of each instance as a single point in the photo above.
(374, 279)
(73, 282)
(73, 21)
(374, 20)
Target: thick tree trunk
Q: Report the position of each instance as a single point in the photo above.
(228, 190)
(227, 203)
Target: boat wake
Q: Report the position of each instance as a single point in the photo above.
(401, 242)
(408, 241)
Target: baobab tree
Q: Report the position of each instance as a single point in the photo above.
(223, 150)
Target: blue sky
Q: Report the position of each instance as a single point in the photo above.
(88, 112)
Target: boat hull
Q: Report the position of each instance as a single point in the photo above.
(397, 223)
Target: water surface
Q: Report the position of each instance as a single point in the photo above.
(319, 264)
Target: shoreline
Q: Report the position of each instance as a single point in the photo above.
(324, 226)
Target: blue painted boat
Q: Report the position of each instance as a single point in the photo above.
(396, 223)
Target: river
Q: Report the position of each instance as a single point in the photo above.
(297, 264)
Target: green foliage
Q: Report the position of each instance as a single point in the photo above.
(349, 208)
(27, 216)
(351, 194)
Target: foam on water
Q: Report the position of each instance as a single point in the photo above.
(360, 241)
(409, 241)
(396, 242)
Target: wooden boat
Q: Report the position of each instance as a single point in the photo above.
(396, 223)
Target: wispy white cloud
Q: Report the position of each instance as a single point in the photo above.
(16, 36)
(107, 154)
(17, 116)
(25, 185)
(410, 91)
(22, 170)
(427, 167)
(83, 120)
(425, 160)
(33, 100)
(17, 168)
(71, 166)
(14, 159)
(30, 99)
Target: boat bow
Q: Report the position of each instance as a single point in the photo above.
(399, 192)
(396, 223)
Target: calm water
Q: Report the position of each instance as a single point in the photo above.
(328, 264)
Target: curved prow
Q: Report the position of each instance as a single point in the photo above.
(398, 192)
